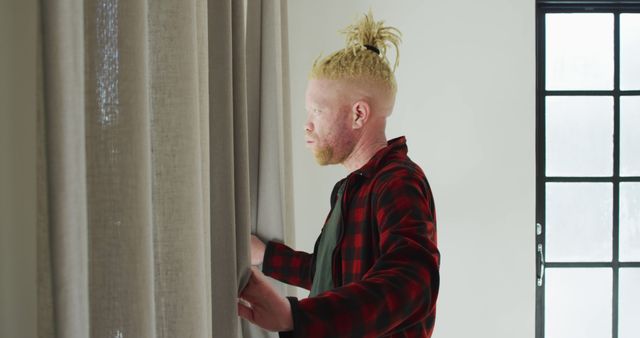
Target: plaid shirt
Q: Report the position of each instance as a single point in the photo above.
(386, 261)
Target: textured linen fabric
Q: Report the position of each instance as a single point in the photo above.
(270, 168)
(386, 264)
(145, 210)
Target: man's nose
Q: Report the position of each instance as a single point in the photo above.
(308, 127)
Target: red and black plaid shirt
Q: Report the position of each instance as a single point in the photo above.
(386, 261)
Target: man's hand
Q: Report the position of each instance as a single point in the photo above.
(257, 250)
(261, 304)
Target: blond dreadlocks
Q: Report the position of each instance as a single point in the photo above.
(365, 54)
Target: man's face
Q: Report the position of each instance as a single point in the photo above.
(328, 130)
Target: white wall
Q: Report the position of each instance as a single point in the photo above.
(466, 104)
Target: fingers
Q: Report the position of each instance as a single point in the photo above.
(255, 286)
(245, 312)
(257, 274)
(253, 272)
(258, 291)
(261, 304)
(257, 250)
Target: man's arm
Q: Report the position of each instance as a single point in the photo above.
(287, 265)
(282, 263)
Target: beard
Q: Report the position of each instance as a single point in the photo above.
(324, 156)
(329, 154)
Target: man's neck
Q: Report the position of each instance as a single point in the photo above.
(363, 152)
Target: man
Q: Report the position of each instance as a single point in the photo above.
(374, 270)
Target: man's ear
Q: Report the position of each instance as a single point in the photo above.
(361, 111)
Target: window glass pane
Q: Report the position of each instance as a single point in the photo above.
(630, 51)
(630, 135)
(579, 51)
(630, 222)
(579, 136)
(578, 303)
(578, 217)
(629, 303)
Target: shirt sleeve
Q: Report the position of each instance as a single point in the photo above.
(287, 265)
(401, 288)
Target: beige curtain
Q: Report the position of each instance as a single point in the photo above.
(17, 169)
(145, 166)
(269, 122)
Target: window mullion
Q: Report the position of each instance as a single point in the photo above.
(616, 173)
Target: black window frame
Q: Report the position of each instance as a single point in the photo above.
(585, 6)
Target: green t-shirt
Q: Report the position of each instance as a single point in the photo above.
(323, 278)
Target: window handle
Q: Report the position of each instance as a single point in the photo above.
(540, 265)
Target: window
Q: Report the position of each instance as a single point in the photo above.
(588, 169)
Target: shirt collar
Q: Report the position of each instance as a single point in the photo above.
(396, 146)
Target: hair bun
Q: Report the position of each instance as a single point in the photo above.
(365, 54)
(367, 33)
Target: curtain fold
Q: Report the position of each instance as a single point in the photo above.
(180, 199)
(228, 160)
(268, 111)
(155, 161)
(119, 168)
(275, 204)
(63, 81)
